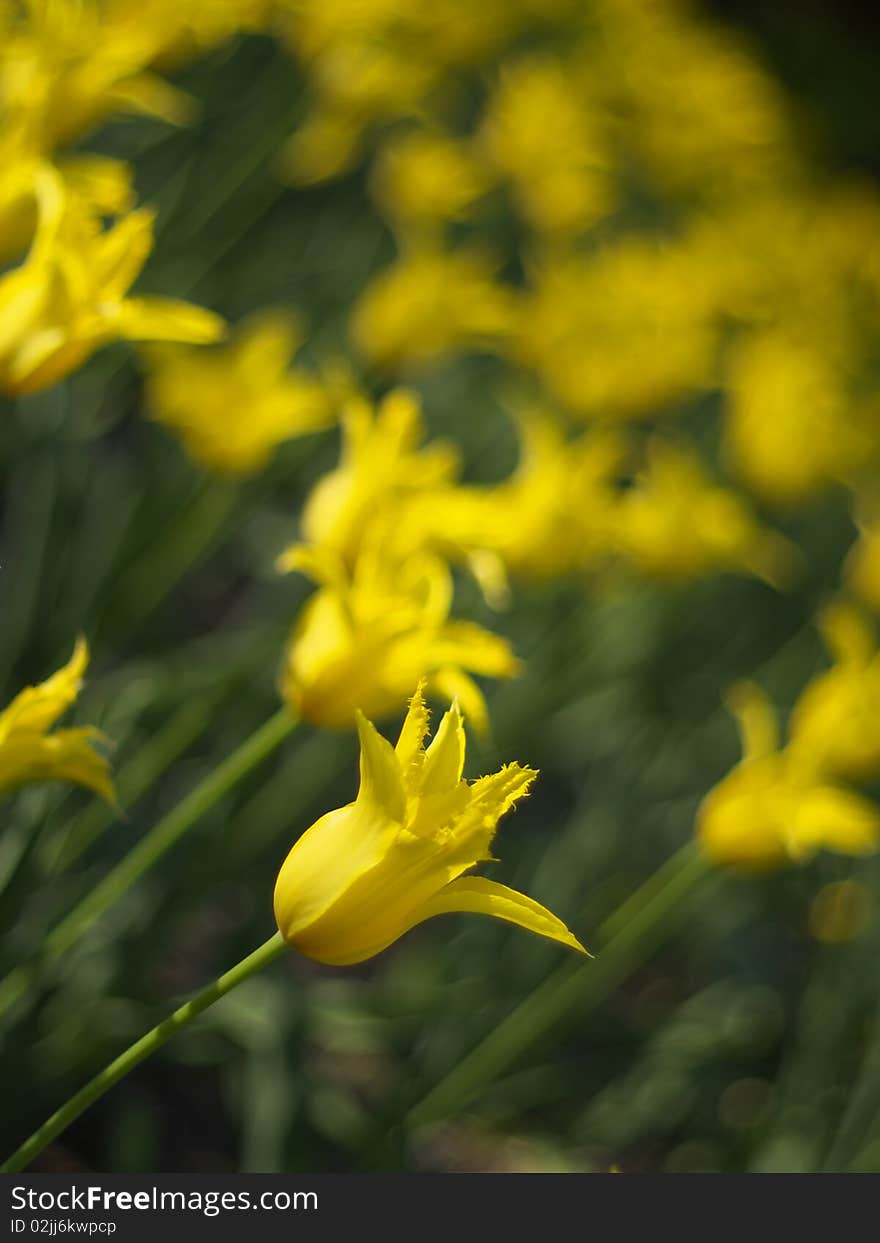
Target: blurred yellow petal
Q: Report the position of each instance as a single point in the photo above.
(167, 319)
(756, 718)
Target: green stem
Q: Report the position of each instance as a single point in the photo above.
(151, 760)
(629, 935)
(149, 851)
(141, 1049)
(193, 533)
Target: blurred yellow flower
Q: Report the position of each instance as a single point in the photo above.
(189, 28)
(381, 463)
(422, 178)
(541, 132)
(28, 752)
(586, 319)
(365, 638)
(70, 295)
(704, 117)
(234, 404)
(835, 724)
(676, 522)
(365, 874)
(772, 809)
(66, 65)
(431, 303)
(554, 515)
(370, 61)
(789, 429)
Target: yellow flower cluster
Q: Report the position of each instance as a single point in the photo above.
(66, 65)
(671, 241)
(380, 620)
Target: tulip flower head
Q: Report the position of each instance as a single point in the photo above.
(430, 304)
(28, 752)
(678, 523)
(234, 404)
(365, 874)
(70, 295)
(773, 808)
(382, 463)
(364, 640)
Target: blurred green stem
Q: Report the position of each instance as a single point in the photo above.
(628, 937)
(134, 779)
(163, 565)
(149, 851)
(859, 1124)
(141, 1049)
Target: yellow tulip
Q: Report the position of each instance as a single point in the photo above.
(835, 724)
(233, 405)
(543, 132)
(585, 317)
(422, 178)
(69, 64)
(676, 522)
(381, 463)
(365, 874)
(70, 295)
(364, 639)
(772, 809)
(790, 429)
(28, 752)
(432, 303)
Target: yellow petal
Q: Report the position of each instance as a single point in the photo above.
(836, 820)
(756, 718)
(444, 758)
(122, 252)
(381, 778)
(36, 709)
(266, 343)
(167, 319)
(413, 732)
(103, 182)
(455, 684)
(847, 634)
(65, 756)
(478, 896)
(154, 97)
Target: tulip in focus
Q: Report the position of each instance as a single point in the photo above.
(773, 809)
(365, 874)
(28, 752)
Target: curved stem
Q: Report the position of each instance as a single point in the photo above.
(149, 851)
(630, 934)
(141, 1049)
